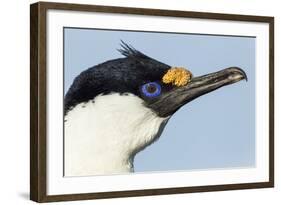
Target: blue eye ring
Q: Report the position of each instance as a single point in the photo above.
(151, 89)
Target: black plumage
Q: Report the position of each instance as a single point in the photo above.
(122, 75)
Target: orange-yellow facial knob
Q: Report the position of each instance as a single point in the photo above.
(177, 76)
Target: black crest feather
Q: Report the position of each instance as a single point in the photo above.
(130, 52)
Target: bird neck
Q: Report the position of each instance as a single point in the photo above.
(103, 136)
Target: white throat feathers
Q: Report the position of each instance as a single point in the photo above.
(103, 136)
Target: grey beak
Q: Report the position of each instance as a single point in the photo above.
(171, 101)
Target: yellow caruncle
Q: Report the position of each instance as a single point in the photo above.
(178, 76)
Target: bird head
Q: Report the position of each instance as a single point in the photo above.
(163, 88)
(158, 89)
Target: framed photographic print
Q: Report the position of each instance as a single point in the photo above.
(134, 102)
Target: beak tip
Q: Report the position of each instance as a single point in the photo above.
(241, 72)
(245, 75)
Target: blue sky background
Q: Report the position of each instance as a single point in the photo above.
(216, 130)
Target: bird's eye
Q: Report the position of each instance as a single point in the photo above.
(151, 89)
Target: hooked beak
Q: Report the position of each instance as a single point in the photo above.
(174, 99)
